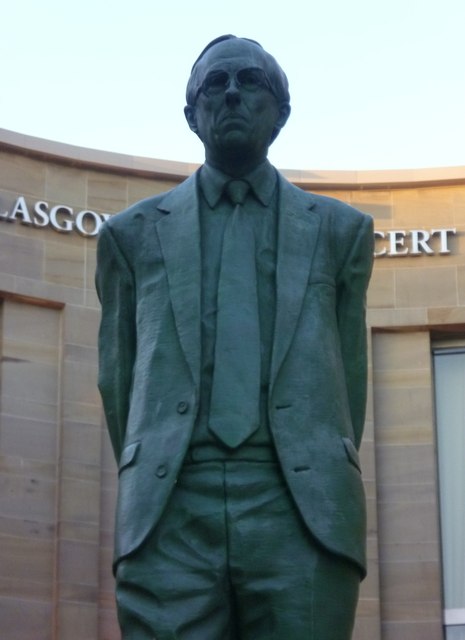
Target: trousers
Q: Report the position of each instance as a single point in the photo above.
(231, 559)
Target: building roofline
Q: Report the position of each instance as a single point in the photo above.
(120, 163)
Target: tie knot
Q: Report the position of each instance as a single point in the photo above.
(237, 191)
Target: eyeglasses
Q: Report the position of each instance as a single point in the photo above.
(249, 80)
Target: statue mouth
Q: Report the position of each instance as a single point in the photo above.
(233, 116)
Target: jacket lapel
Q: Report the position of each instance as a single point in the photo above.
(179, 235)
(297, 238)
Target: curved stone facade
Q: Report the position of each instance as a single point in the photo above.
(57, 475)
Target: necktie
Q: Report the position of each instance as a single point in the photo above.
(234, 408)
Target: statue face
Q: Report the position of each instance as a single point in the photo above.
(236, 111)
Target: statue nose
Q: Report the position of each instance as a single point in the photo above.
(232, 93)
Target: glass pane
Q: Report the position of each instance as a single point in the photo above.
(450, 414)
(455, 633)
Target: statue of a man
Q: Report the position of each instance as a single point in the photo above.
(233, 376)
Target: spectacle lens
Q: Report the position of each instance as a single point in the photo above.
(246, 79)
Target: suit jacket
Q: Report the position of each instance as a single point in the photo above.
(149, 282)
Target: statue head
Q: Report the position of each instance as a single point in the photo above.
(237, 102)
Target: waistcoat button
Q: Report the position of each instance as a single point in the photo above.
(182, 407)
(161, 471)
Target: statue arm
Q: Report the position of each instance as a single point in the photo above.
(117, 335)
(353, 279)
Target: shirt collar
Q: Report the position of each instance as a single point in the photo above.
(262, 181)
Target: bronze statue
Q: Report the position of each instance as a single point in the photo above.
(233, 376)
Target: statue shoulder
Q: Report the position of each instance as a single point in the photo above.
(144, 213)
(339, 210)
(344, 221)
(339, 220)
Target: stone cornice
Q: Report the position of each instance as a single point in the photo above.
(123, 164)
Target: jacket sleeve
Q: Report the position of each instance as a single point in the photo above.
(352, 284)
(117, 335)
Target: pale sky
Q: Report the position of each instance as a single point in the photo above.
(375, 84)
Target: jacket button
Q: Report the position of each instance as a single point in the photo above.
(183, 407)
(161, 471)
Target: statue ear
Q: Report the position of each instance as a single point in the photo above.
(284, 112)
(189, 112)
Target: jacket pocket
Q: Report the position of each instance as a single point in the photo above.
(352, 453)
(319, 277)
(128, 455)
